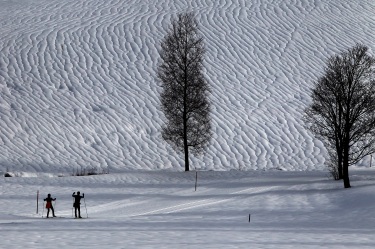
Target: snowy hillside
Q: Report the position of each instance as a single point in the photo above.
(78, 84)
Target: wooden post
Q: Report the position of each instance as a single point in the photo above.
(196, 180)
(37, 202)
(370, 161)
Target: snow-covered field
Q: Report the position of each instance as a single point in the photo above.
(144, 209)
(78, 83)
(78, 91)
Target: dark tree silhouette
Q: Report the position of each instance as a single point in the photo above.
(342, 112)
(184, 97)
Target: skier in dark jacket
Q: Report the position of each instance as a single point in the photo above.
(77, 203)
(49, 206)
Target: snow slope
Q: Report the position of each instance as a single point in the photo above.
(78, 85)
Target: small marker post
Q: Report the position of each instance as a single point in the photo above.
(37, 202)
(249, 217)
(196, 180)
(370, 161)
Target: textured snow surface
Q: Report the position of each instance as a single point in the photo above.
(78, 85)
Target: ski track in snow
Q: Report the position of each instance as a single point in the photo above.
(78, 84)
(201, 203)
(151, 202)
(144, 193)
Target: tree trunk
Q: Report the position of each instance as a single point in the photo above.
(346, 177)
(186, 147)
(187, 159)
(345, 166)
(340, 168)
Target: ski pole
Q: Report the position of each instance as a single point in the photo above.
(84, 200)
(54, 208)
(43, 208)
(72, 207)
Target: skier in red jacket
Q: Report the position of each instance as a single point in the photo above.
(49, 206)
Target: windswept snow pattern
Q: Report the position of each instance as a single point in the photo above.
(78, 80)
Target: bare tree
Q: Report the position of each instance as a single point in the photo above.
(342, 112)
(184, 97)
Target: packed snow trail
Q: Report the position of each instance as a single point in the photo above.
(161, 209)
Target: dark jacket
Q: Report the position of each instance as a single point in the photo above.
(77, 199)
(50, 199)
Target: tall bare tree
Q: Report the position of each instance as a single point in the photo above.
(184, 97)
(342, 112)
